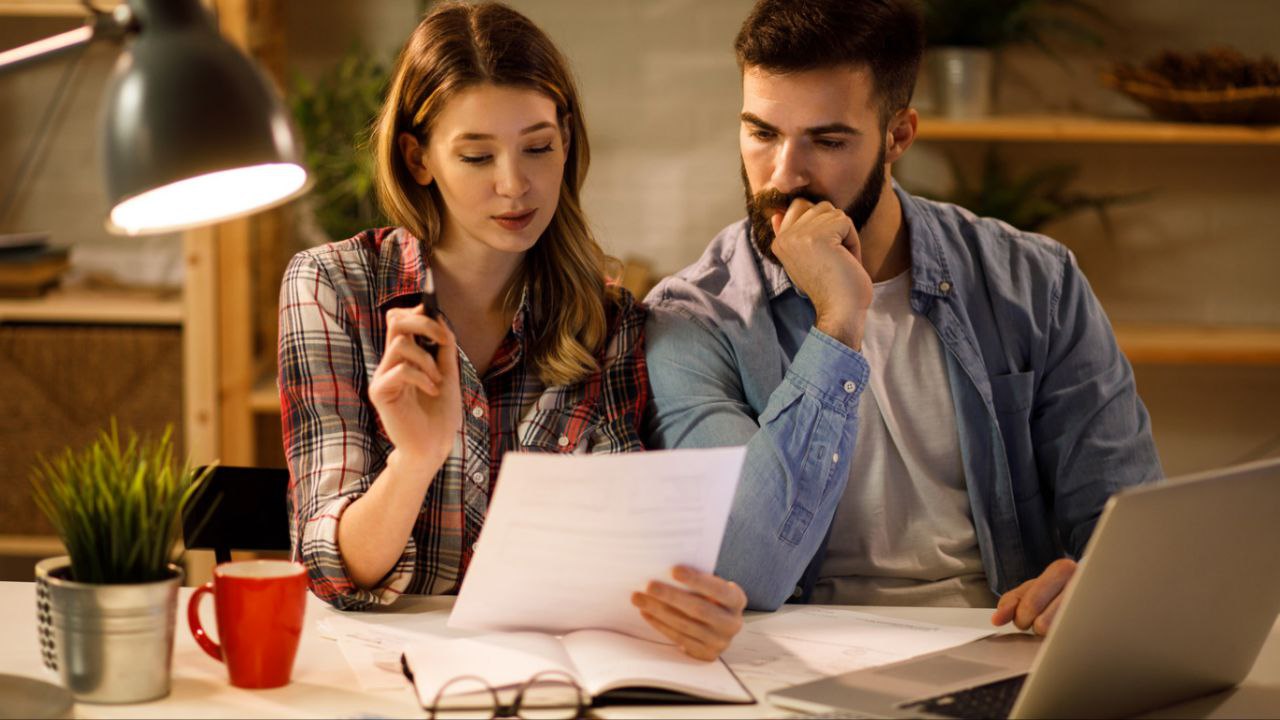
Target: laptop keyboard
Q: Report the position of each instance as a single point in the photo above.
(993, 700)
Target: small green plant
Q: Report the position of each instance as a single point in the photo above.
(1033, 200)
(997, 23)
(335, 114)
(117, 506)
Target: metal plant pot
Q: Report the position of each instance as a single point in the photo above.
(110, 643)
(963, 78)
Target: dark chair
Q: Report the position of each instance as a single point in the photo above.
(249, 512)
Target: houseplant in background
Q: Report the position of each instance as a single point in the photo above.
(964, 36)
(335, 113)
(1032, 200)
(106, 609)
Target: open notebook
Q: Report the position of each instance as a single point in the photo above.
(610, 667)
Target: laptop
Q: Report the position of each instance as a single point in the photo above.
(1177, 591)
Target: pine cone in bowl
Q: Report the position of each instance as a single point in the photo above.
(1218, 85)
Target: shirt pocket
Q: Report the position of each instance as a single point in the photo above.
(559, 430)
(1012, 397)
(1013, 393)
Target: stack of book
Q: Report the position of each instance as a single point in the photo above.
(29, 266)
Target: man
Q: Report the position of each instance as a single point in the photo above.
(934, 405)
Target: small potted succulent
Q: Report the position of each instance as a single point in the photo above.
(106, 610)
(963, 37)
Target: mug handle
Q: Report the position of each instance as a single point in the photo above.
(197, 630)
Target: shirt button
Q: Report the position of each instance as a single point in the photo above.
(474, 545)
(477, 477)
(944, 286)
(477, 412)
(563, 441)
(797, 593)
(835, 457)
(850, 386)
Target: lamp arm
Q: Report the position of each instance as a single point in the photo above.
(106, 25)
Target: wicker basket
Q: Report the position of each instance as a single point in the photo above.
(1248, 106)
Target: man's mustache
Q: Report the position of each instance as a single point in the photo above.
(771, 199)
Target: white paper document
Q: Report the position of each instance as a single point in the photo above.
(568, 538)
(372, 652)
(806, 643)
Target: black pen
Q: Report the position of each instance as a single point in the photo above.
(431, 310)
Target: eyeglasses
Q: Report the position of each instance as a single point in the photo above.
(548, 695)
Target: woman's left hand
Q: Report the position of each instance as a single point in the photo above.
(702, 617)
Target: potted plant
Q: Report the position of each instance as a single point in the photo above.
(1032, 200)
(335, 114)
(106, 609)
(963, 37)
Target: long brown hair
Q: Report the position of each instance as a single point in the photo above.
(458, 46)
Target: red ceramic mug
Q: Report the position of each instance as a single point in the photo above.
(259, 606)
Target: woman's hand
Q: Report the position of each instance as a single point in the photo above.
(702, 617)
(418, 398)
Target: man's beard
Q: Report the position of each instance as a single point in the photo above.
(762, 206)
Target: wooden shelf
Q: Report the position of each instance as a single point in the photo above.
(1080, 129)
(93, 307)
(50, 8)
(1196, 345)
(31, 545)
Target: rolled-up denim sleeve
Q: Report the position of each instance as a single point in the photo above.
(798, 448)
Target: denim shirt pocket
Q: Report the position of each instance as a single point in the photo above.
(1012, 397)
(559, 430)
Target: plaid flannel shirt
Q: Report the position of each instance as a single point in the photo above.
(332, 332)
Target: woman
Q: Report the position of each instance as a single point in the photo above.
(480, 151)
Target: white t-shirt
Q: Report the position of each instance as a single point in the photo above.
(903, 532)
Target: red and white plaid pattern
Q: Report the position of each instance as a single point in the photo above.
(332, 332)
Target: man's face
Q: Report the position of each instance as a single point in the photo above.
(814, 135)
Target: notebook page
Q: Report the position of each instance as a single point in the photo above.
(609, 660)
(501, 659)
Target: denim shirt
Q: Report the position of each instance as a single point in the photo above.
(1049, 420)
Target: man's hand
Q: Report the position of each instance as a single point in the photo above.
(819, 248)
(1034, 603)
(701, 618)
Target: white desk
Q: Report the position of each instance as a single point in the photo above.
(323, 686)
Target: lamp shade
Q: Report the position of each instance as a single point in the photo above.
(192, 132)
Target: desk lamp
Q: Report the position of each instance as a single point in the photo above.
(192, 133)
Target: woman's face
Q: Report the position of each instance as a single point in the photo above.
(497, 156)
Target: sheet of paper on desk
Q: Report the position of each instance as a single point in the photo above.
(568, 538)
(805, 643)
(372, 652)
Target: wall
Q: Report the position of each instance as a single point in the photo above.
(661, 94)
